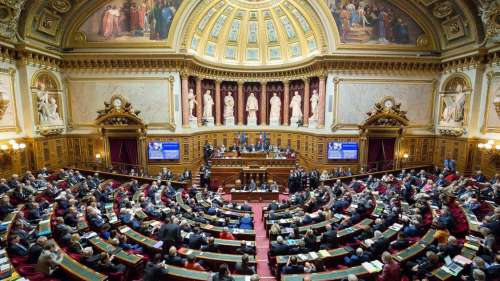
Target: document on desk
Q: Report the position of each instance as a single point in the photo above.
(324, 253)
(313, 255)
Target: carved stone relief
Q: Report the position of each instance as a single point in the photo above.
(9, 17)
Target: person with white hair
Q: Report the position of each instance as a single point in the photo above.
(279, 248)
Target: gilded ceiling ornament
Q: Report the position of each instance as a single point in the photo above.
(49, 23)
(61, 6)
(490, 16)
(453, 28)
(10, 11)
(443, 10)
(427, 3)
(423, 41)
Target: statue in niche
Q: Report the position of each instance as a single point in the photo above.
(296, 106)
(47, 107)
(208, 103)
(252, 107)
(275, 113)
(454, 107)
(191, 102)
(314, 105)
(229, 105)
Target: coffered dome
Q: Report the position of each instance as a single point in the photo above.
(254, 32)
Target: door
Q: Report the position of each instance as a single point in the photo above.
(123, 154)
(381, 154)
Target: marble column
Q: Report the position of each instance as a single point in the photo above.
(321, 104)
(218, 113)
(199, 94)
(306, 101)
(241, 108)
(263, 104)
(184, 98)
(286, 101)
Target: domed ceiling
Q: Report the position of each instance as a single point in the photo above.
(255, 32)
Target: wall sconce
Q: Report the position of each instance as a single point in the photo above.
(406, 156)
(8, 150)
(492, 148)
(98, 156)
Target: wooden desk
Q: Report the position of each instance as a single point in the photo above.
(78, 270)
(359, 271)
(257, 196)
(122, 256)
(417, 247)
(216, 258)
(182, 274)
(328, 254)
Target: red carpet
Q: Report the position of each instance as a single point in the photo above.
(262, 243)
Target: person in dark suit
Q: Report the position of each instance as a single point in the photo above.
(379, 245)
(196, 240)
(246, 207)
(245, 249)
(244, 267)
(223, 274)
(279, 248)
(170, 233)
(293, 267)
(211, 246)
(329, 238)
(400, 243)
(36, 249)
(16, 247)
(173, 259)
(155, 269)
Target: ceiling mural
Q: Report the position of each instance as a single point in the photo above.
(130, 21)
(373, 22)
(259, 32)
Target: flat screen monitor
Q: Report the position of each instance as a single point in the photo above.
(163, 150)
(343, 151)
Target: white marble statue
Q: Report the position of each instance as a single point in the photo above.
(314, 105)
(296, 106)
(275, 113)
(191, 102)
(454, 106)
(47, 107)
(208, 103)
(252, 107)
(53, 115)
(229, 105)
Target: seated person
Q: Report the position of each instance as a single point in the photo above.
(16, 247)
(155, 269)
(243, 267)
(357, 258)
(49, 260)
(173, 259)
(391, 270)
(400, 243)
(106, 265)
(245, 249)
(36, 249)
(292, 266)
(211, 246)
(329, 238)
(246, 222)
(225, 234)
(279, 248)
(222, 274)
(192, 264)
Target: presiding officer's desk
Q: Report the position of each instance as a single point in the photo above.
(254, 196)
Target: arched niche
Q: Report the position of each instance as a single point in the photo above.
(46, 92)
(454, 99)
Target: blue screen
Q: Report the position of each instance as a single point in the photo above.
(163, 150)
(343, 151)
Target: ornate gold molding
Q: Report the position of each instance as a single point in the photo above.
(489, 92)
